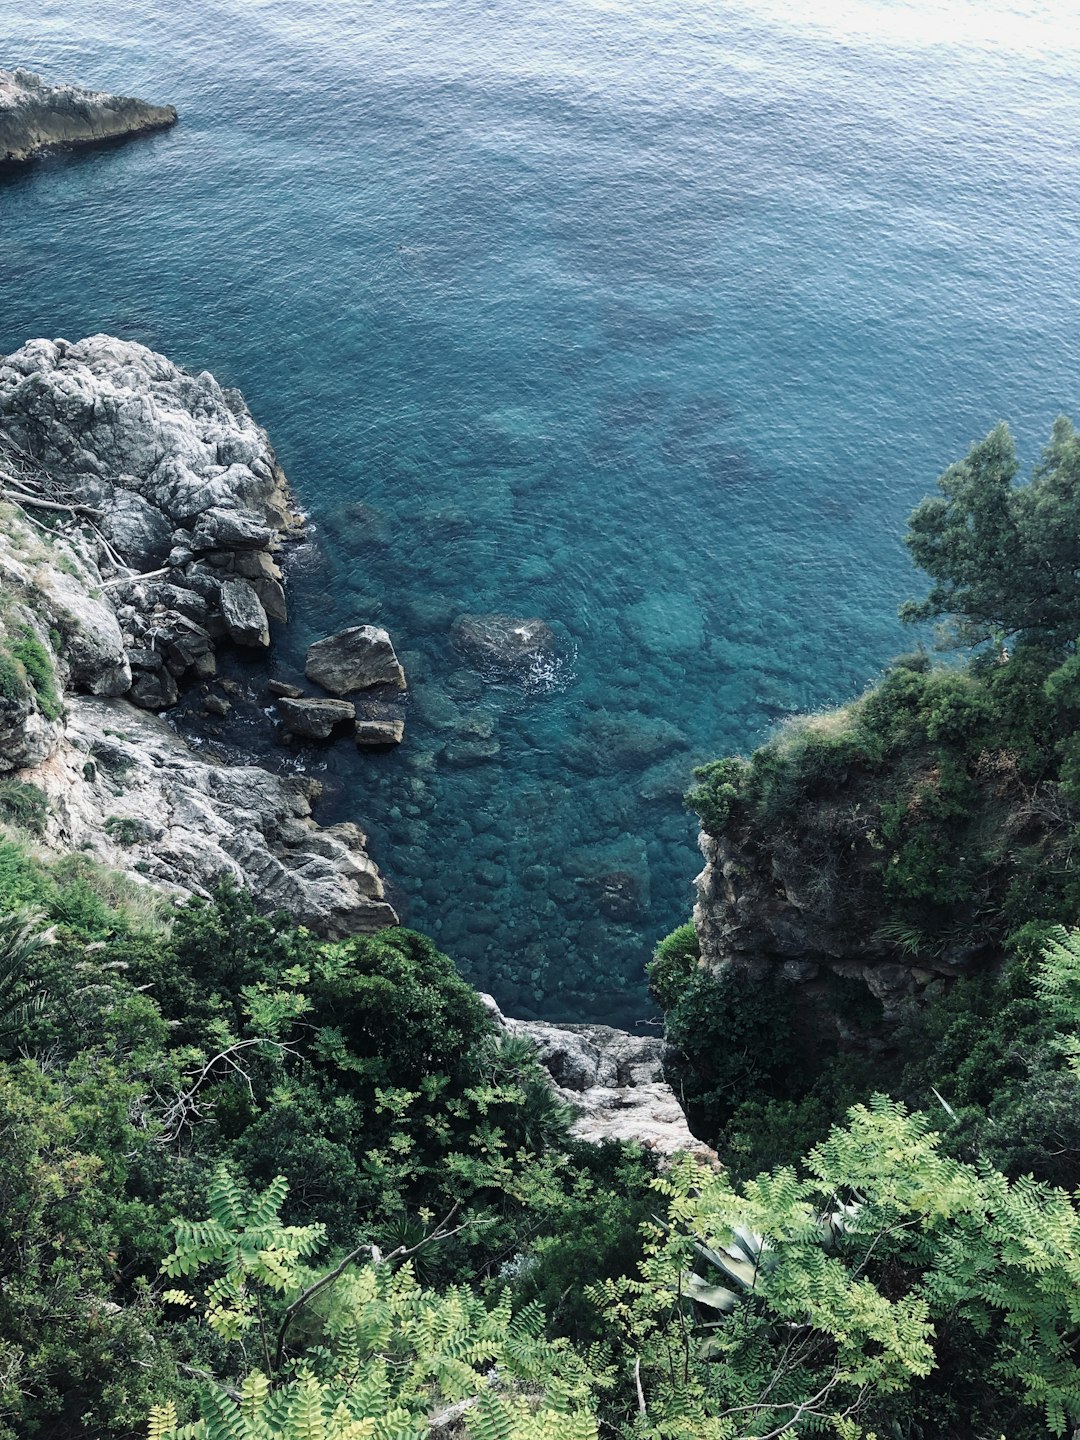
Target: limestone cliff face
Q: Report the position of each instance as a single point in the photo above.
(35, 115)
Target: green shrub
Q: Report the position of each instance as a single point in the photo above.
(13, 684)
(730, 1037)
(717, 793)
(123, 830)
(673, 965)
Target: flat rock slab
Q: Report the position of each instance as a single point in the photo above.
(35, 115)
(355, 659)
(371, 733)
(313, 719)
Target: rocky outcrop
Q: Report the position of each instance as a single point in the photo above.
(360, 658)
(36, 115)
(757, 916)
(179, 501)
(124, 787)
(313, 719)
(613, 1079)
(116, 446)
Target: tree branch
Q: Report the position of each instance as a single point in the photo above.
(401, 1253)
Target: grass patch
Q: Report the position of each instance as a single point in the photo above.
(29, 652)
(23, 805)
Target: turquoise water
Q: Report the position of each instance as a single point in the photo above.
(652, 320)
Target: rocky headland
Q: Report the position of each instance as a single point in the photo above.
(36, 115)
(143, 516)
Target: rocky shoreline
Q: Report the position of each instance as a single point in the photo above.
(143, 519)
(36, 115)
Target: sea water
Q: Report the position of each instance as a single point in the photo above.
(652, 320)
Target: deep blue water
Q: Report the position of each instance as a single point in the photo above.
(650, 319)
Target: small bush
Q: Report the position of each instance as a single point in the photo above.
(717, 793)
(13, 684)
(123, 830)
(673, 965)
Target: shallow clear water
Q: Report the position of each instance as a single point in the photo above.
(653, 320)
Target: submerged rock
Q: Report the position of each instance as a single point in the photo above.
(355, 659)
(666, 624)
(35, 115)
(313, 719)
(504, 644)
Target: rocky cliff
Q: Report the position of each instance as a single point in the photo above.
(614, 1080)
(143, 512)
(754, 918)
(35, 115)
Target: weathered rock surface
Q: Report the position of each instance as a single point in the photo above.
(359, 658)
(192, 503)
(757, 916)
(198, 822)
(613, 1079)
(245, 619)
(371, 733)
(35, 115)
(314, 719)
(284, 690)
(183, 465)
(504, 645)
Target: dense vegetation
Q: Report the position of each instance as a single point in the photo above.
(255, 1184)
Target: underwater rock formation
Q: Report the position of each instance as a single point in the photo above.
(503, 644)
(35, 115)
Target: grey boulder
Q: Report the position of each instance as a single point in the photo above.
(374, 733)
(355, 659)
(313, 719)
(245, 619)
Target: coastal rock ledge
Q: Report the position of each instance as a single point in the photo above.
(36, 115)
(615, 1082)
